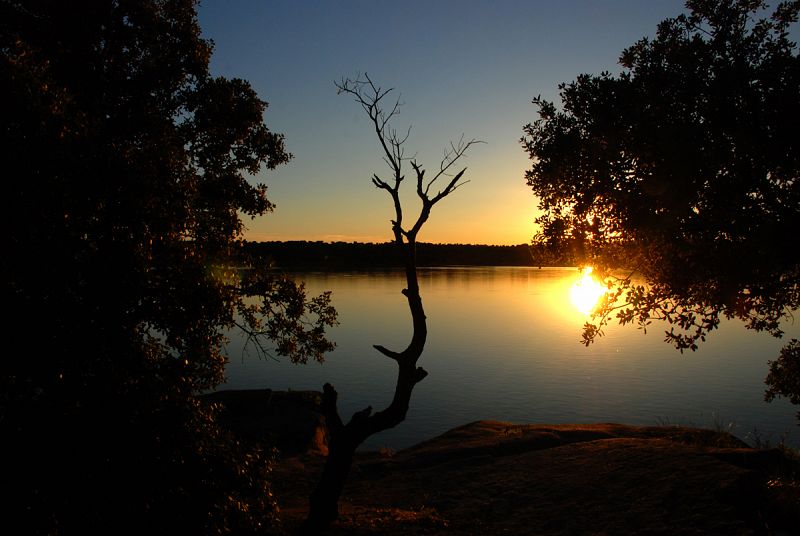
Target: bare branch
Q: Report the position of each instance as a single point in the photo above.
(380, 183)
(387, 352)
(420, 374)
(459, 185)
(452, 185)
(256, 339)
(330, 409)
(369, 97)
(450, 157)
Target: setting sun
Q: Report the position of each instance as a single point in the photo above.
(586, 292)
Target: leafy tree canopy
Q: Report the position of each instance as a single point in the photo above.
(126, 171)
(684, 168)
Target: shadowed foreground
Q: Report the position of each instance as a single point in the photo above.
(498, 478)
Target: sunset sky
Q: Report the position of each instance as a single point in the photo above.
(461, 67)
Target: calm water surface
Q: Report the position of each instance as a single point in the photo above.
(503, 344)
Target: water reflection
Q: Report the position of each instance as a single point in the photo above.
(586, 291)
(504, 344)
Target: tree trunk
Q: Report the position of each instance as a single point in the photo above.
(324, 500)
(345, 439)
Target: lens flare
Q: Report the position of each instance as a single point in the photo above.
(586, 292)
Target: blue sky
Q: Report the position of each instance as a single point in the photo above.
(461, 67)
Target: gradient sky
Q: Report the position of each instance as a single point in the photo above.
(461, 67)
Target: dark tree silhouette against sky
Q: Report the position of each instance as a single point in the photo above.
(684, 169)
(126, 172)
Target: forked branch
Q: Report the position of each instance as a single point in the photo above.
(451, 156)
(371, 98)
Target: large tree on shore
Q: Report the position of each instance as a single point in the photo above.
(125, 180)
(346, 437)
(685, 169)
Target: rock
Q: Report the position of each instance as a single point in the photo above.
(288, 420)
(491, 477)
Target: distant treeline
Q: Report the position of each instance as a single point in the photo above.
(358, 256)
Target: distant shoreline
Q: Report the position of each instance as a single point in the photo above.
(331, 256)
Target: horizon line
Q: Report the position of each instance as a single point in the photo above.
(385, 241)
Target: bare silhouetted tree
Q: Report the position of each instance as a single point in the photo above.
(345, 438)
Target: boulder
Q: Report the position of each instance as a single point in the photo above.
(288, 420)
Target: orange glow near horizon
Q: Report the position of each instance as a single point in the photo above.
(586, 292)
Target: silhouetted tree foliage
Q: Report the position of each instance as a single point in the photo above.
(125, 169)
(683, 168)
(784, 375)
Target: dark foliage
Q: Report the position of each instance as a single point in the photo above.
(784, 375)
(125, 169)
(684, 168)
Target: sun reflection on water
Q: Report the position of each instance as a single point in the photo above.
(586, 292)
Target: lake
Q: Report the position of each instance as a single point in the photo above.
(503, 344)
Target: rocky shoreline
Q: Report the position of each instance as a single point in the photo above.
(492, 477)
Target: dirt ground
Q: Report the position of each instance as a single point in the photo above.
(604, 479)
